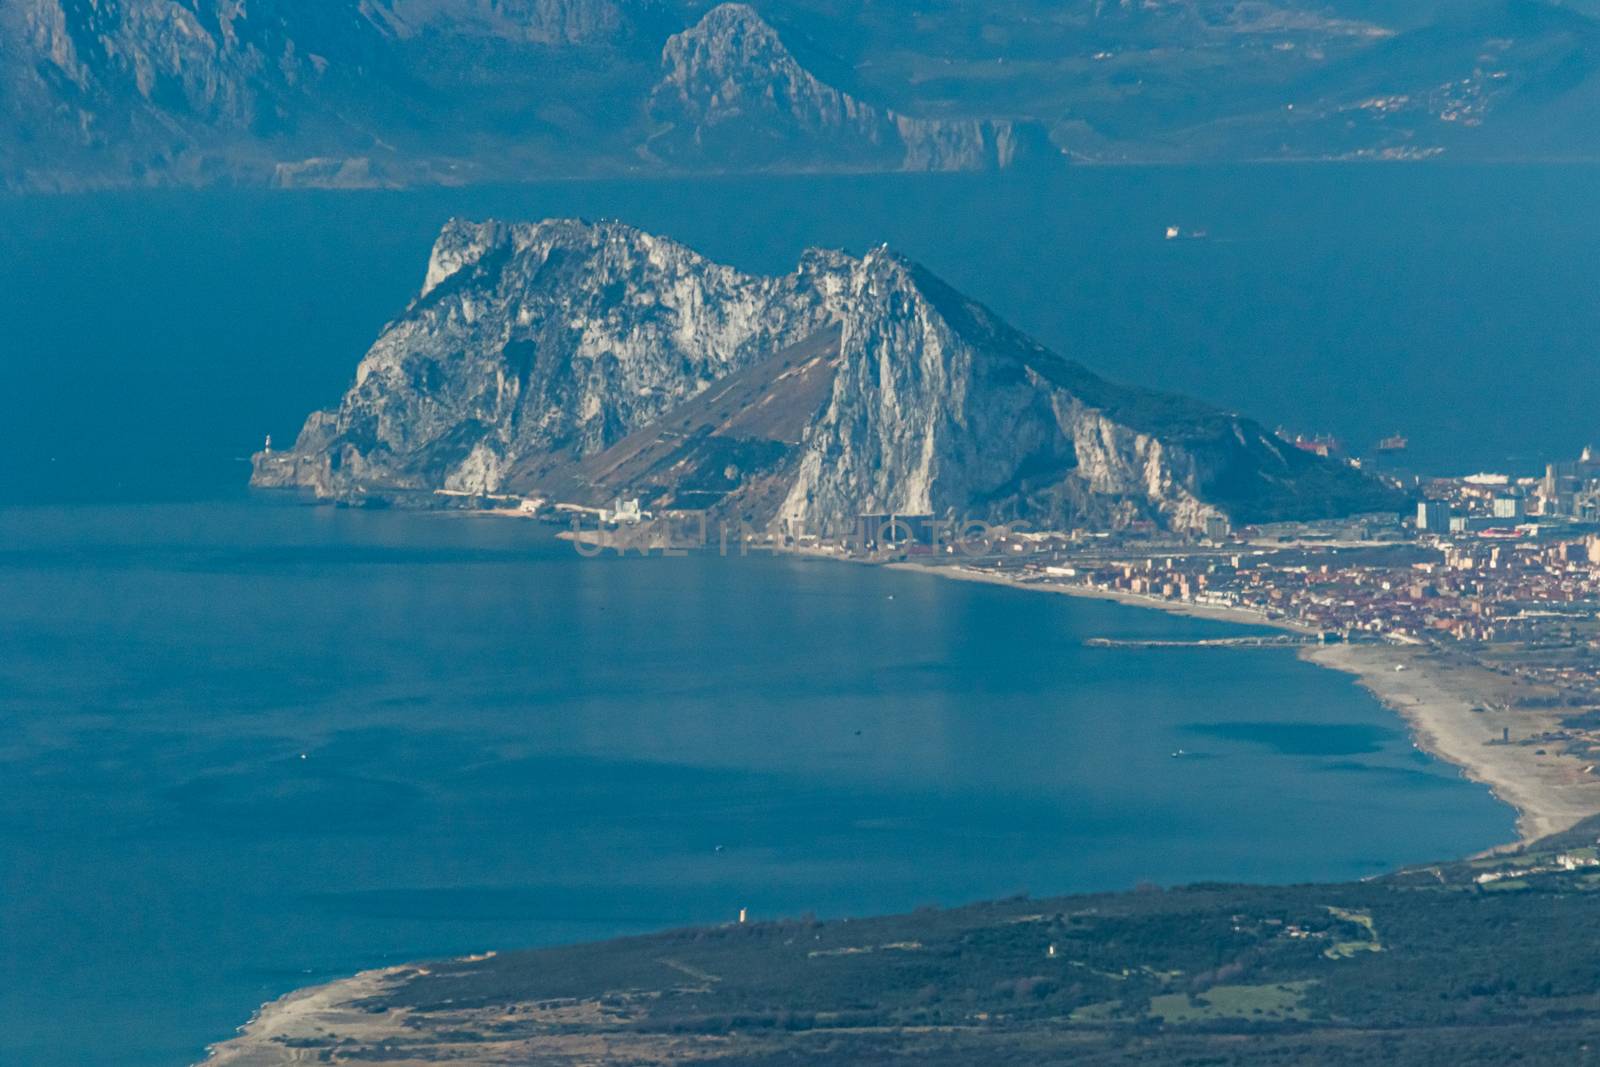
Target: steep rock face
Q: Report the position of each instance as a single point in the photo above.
(563, 355)
(924, 418)
(941, 408)
(222, 62)
(141, 88)
(554, 338)
(731, 91)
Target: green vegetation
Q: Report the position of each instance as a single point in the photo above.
(1280, 1001)
(1485, 961)
(1221, 1002)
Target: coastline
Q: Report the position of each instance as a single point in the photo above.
(1454, 711)
(1215, 612)
(1457, 712)
(311, 1010)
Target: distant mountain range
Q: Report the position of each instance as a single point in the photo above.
(401, 92)
(581, 362)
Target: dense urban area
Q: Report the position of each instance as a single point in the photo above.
(1486, 558)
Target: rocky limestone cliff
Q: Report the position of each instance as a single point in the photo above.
(187, 90)
(532, 350)
(558, 337)
(380, 93)
(731, 91)
(941, 408)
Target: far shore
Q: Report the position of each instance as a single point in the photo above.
(1215, 612)
(1455, 710)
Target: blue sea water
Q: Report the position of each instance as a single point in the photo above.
(246, 745)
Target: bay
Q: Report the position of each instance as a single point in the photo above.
(247, 746)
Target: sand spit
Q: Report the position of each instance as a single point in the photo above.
(356, 1021)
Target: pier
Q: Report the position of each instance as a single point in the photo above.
(1261, 641)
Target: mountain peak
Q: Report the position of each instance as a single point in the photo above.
(735, 18)
(460, 243)
(464, 243)
(584, 360)
(731, 91)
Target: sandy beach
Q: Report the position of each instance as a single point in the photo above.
(303, 1015)
(1460, 713)
(1455, 710)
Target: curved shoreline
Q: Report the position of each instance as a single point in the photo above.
(1445, 704)
(307, 1011)
(1450, 709)
(1441, 702)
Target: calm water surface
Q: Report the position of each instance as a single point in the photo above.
(247, 746)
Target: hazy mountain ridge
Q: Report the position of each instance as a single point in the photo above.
(732, 95)
(404, 92)
(189, 91)
(575, 360)
(399, 92)
(548, 22)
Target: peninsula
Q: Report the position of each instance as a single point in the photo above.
(572, 363)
